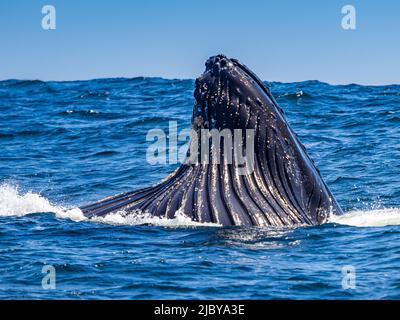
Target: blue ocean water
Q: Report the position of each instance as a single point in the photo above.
(64, 144)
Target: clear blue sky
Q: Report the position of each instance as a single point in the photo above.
(283, 40)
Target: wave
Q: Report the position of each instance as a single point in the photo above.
(21, 83)
(94, 94)
(295, 95)
(15, 203)
(369, 218)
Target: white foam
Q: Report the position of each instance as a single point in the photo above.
(15, 203)
(369, 218)
(138, 218)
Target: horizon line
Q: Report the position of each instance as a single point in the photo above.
(193, 79)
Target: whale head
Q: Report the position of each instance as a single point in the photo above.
(228, 94)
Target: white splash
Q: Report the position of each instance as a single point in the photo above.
(13, 203)
(138, 218)
(369, 218)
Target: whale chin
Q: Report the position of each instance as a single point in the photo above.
(283, 188)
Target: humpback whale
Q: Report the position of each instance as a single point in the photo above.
(280, 184)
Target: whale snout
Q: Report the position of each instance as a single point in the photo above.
(218, 68)
(216, 64)
(228, 82)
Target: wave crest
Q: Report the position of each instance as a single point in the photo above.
(14, 203)
(369, 218)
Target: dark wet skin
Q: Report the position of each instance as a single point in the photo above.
(283, 188)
